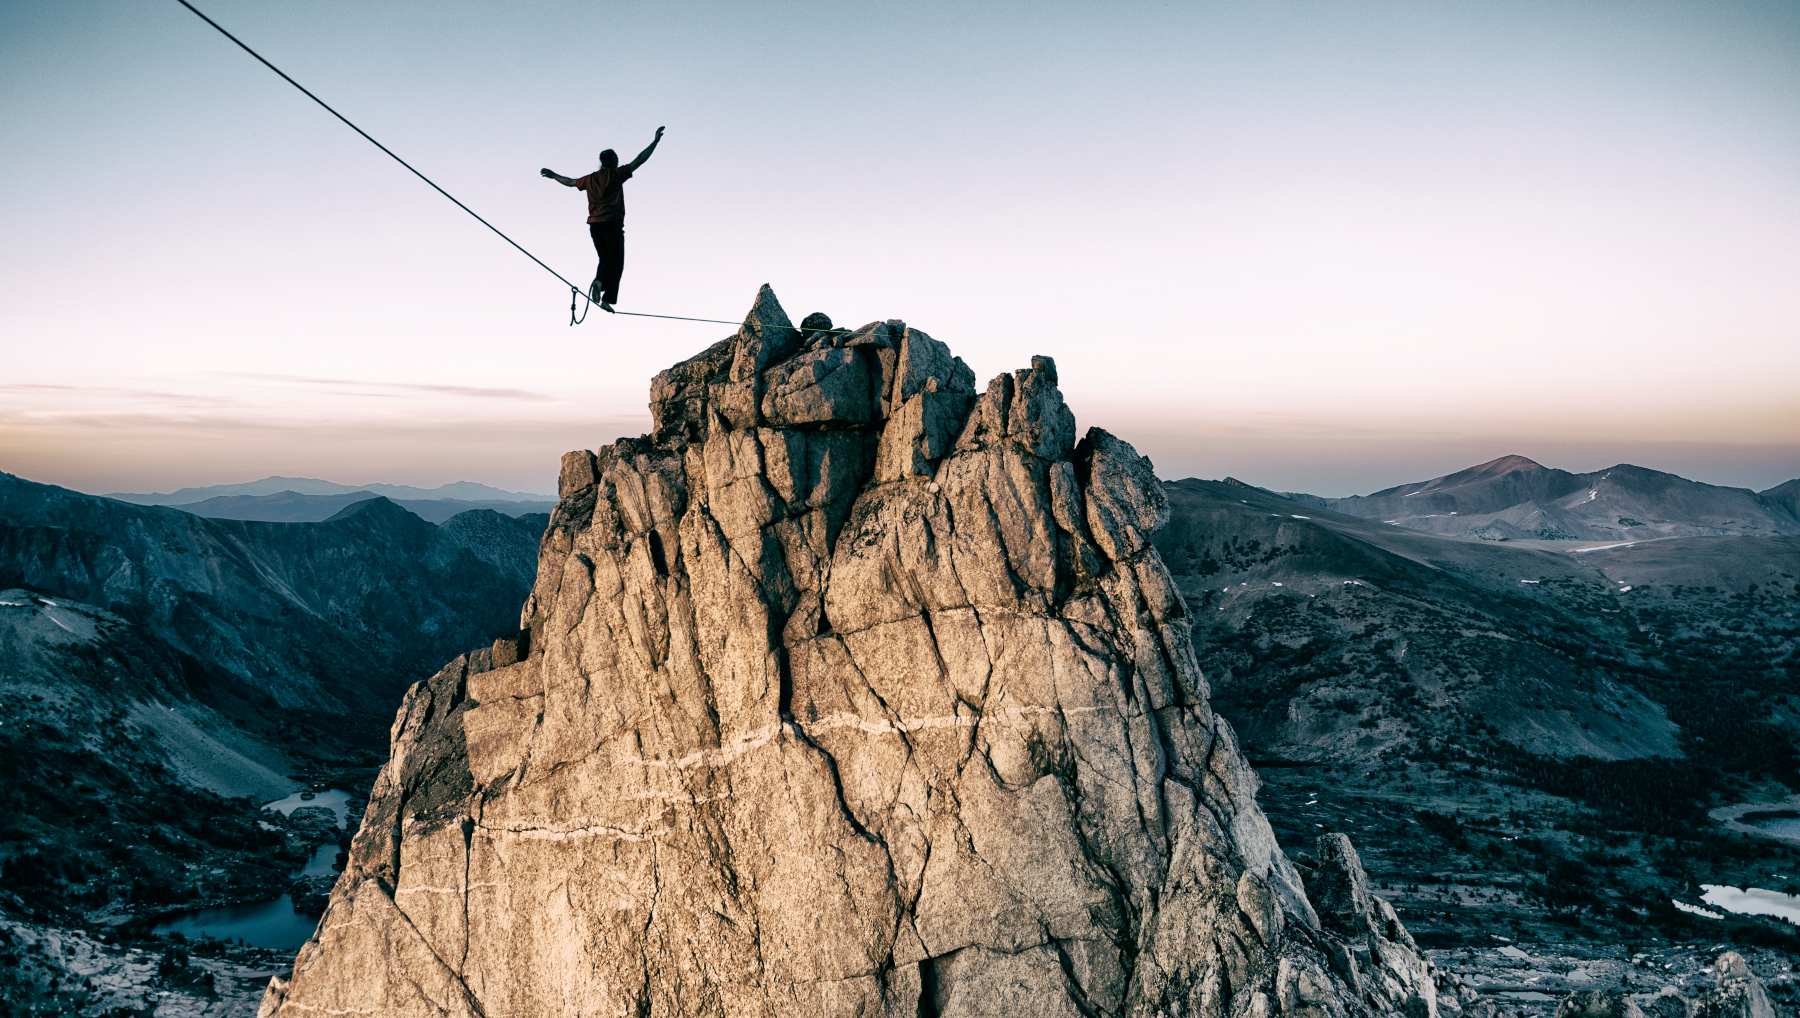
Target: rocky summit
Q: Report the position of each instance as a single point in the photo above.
(849, 690)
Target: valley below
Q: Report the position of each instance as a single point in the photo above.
(196, 711)
(1569, 767)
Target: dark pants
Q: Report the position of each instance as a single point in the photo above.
(609, 244)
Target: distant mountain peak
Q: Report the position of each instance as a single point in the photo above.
(374, 508)
(1481, 481)
(1515, 497)
(1510, 463)
(1632, 469)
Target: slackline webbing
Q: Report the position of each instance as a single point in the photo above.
(576, 291)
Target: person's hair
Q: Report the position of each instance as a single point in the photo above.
(609, 159)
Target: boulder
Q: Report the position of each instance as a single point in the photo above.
(311, 893)
(1738, 992)
(1598, 1004)
(310, 825)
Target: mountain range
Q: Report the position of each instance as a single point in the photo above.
(159, 667)
(1479, 711)
(460, 491)
(335, 615)
(1516, 498)
(296, 507)
(1494, 637)
(1483, 676)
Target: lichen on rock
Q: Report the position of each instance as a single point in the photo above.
(848, 690)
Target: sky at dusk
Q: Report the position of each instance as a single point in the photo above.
(1323, 246)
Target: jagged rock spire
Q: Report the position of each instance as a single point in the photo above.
(848, 690)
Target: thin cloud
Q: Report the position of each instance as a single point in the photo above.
(274, 430)
(142, 395)
(366, 388)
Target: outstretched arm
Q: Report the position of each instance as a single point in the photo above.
(559, 178)
(644, 156)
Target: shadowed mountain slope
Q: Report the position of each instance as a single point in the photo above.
(1785, 495)
(294, 507)
(1328, 637)
(159, 668)
(291, 610)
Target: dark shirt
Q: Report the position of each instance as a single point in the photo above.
(606, 198)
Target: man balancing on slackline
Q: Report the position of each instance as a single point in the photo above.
(606, 217)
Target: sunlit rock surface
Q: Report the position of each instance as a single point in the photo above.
(849, 690)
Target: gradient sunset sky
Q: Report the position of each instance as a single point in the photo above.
(1318, 246)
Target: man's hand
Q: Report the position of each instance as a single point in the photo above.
(547, 172)
(632, 166)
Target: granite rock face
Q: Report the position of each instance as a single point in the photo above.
(849, 690)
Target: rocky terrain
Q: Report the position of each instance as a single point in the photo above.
(848, 690)
(1514, 498)
(164, 674)
(53, 972)
(1528, 744)
(1356, 640)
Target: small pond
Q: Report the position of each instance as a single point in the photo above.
(1779, 820)
(273, 924)
(323, 861)
(1780, 823)
(1752, 901)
